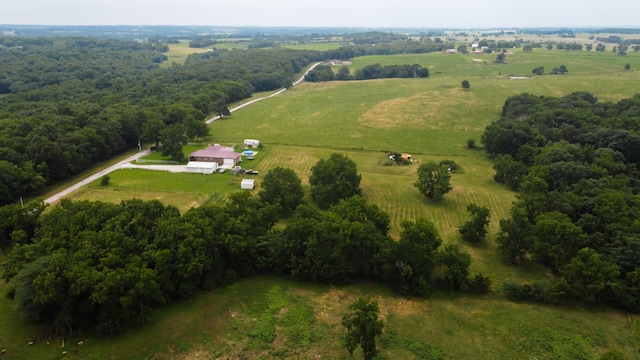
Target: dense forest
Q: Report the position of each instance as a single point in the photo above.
(67, 103)
(574, 162)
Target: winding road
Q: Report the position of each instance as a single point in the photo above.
(119, 165)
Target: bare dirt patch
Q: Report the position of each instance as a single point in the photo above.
(325, 306)
(403, 307)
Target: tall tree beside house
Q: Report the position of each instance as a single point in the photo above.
(173, 138)
(334, 179)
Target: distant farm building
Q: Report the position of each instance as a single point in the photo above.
(252, 143)
(335, 62)
(224, 156)
(247, 184)
(202, 167)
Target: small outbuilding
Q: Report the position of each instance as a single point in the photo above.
(252, 143)
(202, 167)
(247, 184)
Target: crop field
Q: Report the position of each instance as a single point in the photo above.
(432, 119)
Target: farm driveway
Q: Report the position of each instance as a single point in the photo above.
(124, 163)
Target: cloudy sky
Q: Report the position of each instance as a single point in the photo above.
(326, 13)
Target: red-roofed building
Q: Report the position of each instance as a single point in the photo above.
(223, 155)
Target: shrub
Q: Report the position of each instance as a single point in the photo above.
(104, 181)
(450, 164)
(480, 284)
(471, 144)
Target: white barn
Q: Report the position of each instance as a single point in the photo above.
(247, 184)
(202, 167)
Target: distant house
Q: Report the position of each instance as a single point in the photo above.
(224, 156)
(335, 62)
(252, 143)
(247, 184)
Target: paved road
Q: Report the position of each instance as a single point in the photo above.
(122, 164)
(94, 177)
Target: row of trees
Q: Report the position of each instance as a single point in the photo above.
(562, 69)
(93, 264)
(574, 162)
(375, 71)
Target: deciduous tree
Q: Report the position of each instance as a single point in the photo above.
(586, 275)
(456, 262)
(475, 230)
(334, 179)
(433, 180)
(282, 187)
(363, 325)
(415, 256)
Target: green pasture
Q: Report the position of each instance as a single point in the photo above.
(178, 54)
(432, 118)
(269, 317)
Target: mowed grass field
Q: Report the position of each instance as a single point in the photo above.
(431, 119)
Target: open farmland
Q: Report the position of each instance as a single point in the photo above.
(431, 119)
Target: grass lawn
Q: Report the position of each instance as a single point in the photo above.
(181, 190)
(269, 317)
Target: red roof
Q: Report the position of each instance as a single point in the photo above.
(216, 151)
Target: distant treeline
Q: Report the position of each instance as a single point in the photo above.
(613, 39)
(375, 71)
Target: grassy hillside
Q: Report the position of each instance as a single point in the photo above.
(271, 318)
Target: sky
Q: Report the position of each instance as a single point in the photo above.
(458, 14)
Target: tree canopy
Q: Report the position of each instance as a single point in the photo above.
(363, 325)
(334, 179)
(433, 180)
(574, 161)
(282, 187)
